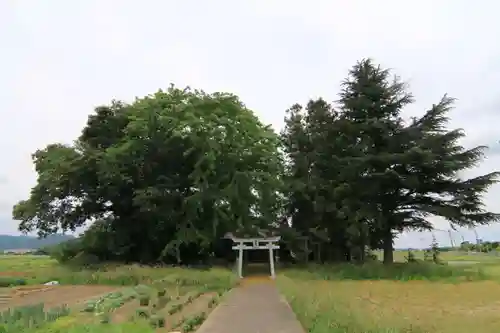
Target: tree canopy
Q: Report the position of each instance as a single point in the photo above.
(175, 168)
(167, 176)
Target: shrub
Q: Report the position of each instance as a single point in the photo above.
(11, 282)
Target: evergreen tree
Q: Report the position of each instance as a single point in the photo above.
(324, 203)
(373, 105)
(297, 147)
(411, 170)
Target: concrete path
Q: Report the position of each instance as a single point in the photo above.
(255, 307)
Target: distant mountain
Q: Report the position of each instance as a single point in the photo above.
(8, 242)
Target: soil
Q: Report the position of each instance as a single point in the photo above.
(197, 306)
(125, 312)
(51, 296)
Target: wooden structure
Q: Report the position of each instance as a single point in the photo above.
(264, 243)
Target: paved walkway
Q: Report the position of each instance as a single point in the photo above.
(255, 307)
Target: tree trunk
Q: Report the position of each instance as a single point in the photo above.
(388, 247)
(320, 258)
(363, 249)
(178, 254)
(306, 249)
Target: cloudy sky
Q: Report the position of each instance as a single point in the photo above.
(59, 59)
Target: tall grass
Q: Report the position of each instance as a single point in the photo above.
(397, 271)
(127, 327)
(376, 298)
(38, 270)
(321, 311)
(29, 317)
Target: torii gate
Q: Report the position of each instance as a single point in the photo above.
(256, 244)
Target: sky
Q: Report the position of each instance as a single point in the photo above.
(60, 59)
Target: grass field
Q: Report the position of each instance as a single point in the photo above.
(416, 298)
(463, 296)
(451, 256)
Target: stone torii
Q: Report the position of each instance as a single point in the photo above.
(264, 243)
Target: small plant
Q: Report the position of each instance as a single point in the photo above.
(162, 301)
(144, 300)
(411, 257)
(104, 318)
(110, 301)
(435, 251)
(213, 302)
(176, 308)
(157, 321)
(162, 293)
(89, 306)
(55, 313)
(191, 298)
(427, 255)
(11, 282)
(142, 313)
(192, 323)
(19, 319)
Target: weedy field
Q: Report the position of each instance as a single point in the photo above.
(406, 298)
(131, 298)
(454, 257)
(372, 298)
(29, 270)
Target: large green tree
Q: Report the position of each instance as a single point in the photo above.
(172, 171)
(361, 174)
(413, 170)
(324, 203)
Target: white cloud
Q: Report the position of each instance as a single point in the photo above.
(60, 59)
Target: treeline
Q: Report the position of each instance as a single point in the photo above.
(8, 242)
(164, 178)
(484, 246)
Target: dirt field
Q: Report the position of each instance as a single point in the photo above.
(198, 306)
(189, 305)
(51, 296)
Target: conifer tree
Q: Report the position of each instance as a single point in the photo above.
(411, 170)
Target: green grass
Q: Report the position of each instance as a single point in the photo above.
(400, 256)
(128, 327)
(21, 270)
(25, 262)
